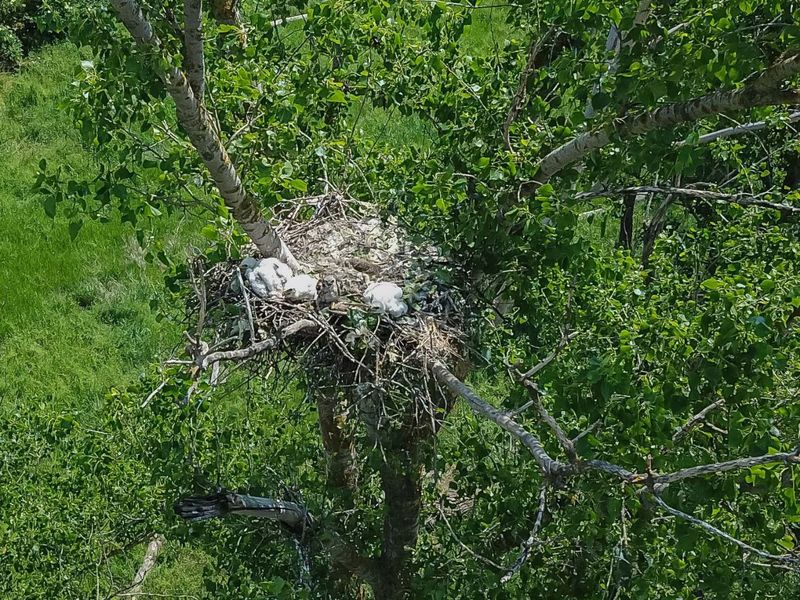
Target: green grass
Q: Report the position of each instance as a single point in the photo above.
(75, 321)
(74, 316)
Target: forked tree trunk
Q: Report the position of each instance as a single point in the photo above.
(202, 131)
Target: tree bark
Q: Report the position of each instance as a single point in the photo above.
(226, 11)
(202, 132)
(194, 60)
(342, 472)
(625, 238)
(400, 481)
(762, 90)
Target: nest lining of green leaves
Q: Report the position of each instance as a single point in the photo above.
(343, 346)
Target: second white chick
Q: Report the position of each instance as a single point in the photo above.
(386, 297)
(300, 288)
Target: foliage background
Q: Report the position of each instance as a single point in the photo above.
(86, 473)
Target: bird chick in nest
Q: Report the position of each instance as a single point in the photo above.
(300, 288)
(386, 298)
(267, 277)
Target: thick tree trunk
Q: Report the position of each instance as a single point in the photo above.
(625, 238)
(194, 61)
(342, 471)
(400, 481)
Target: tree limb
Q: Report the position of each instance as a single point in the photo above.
(740, 199)
(723, 467)
(201, 508)
(692, 422)
(194, 60)
(738, 129)
(480, 407)
(202, 130)
(760, 90)
(522, 87)
(148, 562)
(527, 545)
(263, 346)
(786, 559)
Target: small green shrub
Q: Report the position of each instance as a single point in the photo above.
(27, 24)
(10, 48)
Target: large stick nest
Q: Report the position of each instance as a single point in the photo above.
(345, 344)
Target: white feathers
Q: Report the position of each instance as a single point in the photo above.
(270, 278)
(386, 297)
(267, 277)
(300, 288)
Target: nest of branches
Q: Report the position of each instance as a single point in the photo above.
(343, 346)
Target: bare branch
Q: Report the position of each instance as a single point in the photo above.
(550, 357)
(480, 407)
(760, 90)
(696, 419)
(548, 420)
(586, 431)
(723, 467)
(740, 199)
(527, 545)
(148, 562)
(263, 346)
(201, 508)
(522, 87)
(785, 559)
(194, 60)
(739, 129)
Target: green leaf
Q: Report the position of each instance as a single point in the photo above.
(616, 16)
(338, 97)
(74, 229)
(50, 206)
(298, 184)
(712, 284)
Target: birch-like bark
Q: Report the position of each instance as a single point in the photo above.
(202, 132)
(148, 562)
(759, 90)
(194, 60)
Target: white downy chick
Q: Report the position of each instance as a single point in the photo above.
(268, 277)
(386, 297)
(300, 288)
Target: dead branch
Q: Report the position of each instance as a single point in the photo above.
(696, 419)
(741, 199)
(263, 346)
(522, 87)
(527, 545)
(148, 562)
(785, 559)
(480, 407)
(792, 457)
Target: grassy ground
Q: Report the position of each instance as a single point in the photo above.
(74, 316)
(75, 320)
